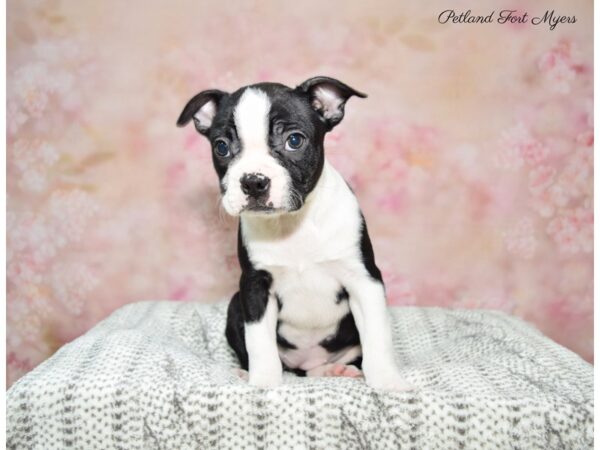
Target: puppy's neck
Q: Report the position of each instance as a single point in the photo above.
(321, 202)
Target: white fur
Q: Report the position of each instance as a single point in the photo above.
(316, 356)
(261, 343)
(251, 118)
(206, 114)
(367, 302)
(311, 254)
(329, 101)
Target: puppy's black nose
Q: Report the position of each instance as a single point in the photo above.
(255, 184)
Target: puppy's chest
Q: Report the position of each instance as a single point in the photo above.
(306, 272)
(307, 267)
(310, 297)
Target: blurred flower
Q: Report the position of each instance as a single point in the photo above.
(573, 231)
(520, 239)
(15, 117)
(33, 161)
(541, 178)
(518, 146)
(399, 291)
(71, 283)
(558, 67)
(70, 213)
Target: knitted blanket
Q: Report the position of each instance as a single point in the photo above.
(158, 375)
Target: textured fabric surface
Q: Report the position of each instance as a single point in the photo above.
(160, 375)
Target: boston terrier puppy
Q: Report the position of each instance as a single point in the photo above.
(311, 299)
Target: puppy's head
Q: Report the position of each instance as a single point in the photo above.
(267, 140)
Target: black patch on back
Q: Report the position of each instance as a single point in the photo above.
(366, 250)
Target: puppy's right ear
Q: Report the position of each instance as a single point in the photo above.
(202, 108)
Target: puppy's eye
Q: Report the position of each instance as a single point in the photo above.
(294, 142)
(221, 148)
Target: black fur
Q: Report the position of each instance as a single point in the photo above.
(366, 250)
(234, 330)
(197, 102)
(342, 295)
(345, 336)
(283, 342)
(291, 112)
(249, 304)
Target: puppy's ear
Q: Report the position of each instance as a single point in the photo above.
(202, 108)
(328, 97)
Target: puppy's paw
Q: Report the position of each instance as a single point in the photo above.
(394, 383)
(240, 373)
(265, 378)
(335, 370)
(387, 379)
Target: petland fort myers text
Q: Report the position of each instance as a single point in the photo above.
(506, 16)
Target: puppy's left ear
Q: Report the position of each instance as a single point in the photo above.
(328, 97)
(202, 108)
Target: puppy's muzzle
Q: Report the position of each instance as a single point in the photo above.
(255, 185)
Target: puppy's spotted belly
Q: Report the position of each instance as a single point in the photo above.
(303, 347)
(316, 356)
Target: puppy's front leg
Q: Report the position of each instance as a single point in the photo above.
(260, 323)
(368, 306)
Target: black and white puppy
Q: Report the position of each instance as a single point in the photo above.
(311, 298)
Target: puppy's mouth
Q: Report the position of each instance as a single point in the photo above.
(259, 207)
(263, 205)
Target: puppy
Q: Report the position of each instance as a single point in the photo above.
(311, 298)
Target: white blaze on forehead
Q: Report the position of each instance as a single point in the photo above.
(251, 118)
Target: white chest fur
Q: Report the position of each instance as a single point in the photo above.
(305, 252)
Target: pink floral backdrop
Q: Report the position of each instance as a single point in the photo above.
(472, 156)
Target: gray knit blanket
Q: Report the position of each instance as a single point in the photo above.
(159, 375)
